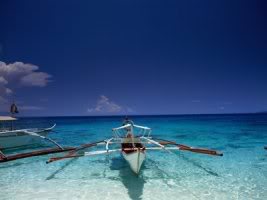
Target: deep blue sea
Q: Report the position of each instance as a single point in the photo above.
(240, 174)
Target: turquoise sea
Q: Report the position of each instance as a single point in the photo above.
(240, 174)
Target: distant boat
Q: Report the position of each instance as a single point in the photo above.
(11, 138)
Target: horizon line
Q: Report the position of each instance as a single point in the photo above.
(146, 115)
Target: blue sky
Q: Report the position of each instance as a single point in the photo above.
(133, 57)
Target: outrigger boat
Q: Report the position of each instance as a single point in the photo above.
(13, 138)
(22, 137)
(132, 146)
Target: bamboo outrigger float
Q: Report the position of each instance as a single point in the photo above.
(132, 146)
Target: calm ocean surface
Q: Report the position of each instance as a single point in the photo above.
(240, 174)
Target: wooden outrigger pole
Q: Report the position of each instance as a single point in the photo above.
(7, 158)
(72, 153)
(183, 147)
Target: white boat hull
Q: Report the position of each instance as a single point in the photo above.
(135, 159)
(18, 138)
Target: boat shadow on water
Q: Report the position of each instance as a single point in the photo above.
(133, 183)
(69, 162)
(17, 164)
(200, 166)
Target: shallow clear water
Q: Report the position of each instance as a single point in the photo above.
(240, 174)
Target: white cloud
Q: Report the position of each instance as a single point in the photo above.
(8, 91)
(105, 106)
(23, 73)
(16, 69)
(3, 81)
(36, 79)
(19, 74)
